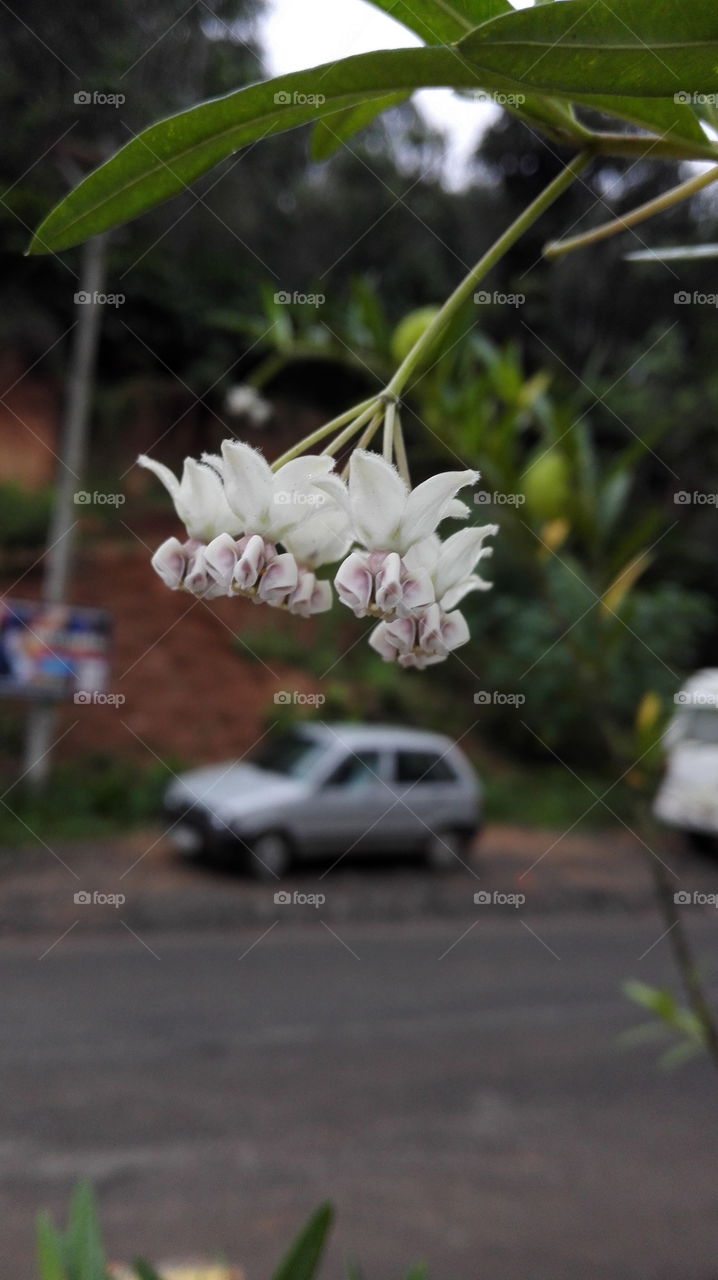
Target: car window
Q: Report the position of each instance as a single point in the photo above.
(422, 766)
(289, 753)
(356, 770)
(700, 724)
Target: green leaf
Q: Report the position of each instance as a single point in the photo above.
(303, 1259)
(675, 119)
(442, 21)
(329, 134)
(165, 158)
(613, 47)
(84, 1248)
(144, 1271)
(49, 1250)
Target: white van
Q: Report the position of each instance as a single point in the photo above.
(688, 795)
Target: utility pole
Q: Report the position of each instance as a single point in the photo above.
(71, 464)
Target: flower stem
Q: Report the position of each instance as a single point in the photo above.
(350, 431)
(402, 461)
(322, 432)
(388, 441)
(463, 291)
(665, 201)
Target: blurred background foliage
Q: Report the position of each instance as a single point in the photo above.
(587, 407)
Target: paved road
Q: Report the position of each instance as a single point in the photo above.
(472, 1110)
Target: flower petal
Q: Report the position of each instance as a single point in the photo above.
(378, 497)
(248, 484)
(458, 555)
(252, 559)
(170, 562)
(429, 503)
(322, 538)
(278, 580)
(354, 583)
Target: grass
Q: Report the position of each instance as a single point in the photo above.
(548, 796)
(84, 799)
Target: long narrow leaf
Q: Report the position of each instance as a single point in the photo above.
(653, 48)
(303, 1259)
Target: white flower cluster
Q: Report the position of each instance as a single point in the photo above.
(264, 534)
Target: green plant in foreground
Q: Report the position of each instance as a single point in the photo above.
(78, 1253)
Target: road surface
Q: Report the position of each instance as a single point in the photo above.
(463, 1100)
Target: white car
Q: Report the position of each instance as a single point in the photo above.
(323, 789)
(688, 795)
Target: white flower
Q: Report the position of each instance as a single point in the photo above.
(450, 564)
(198, 497)
(421, 641)
(385, 515)
(270, 503)
(245, 400)
(389, 519)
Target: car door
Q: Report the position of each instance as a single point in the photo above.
(347, 809)
(424, 787)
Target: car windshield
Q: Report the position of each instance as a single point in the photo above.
(289, 753)
(700, 724)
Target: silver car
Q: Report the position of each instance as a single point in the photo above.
(323, 789)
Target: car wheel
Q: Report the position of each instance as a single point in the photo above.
(446, 850)
(270, 856)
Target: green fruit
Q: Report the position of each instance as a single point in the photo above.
(409, 330)
(546, 485)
